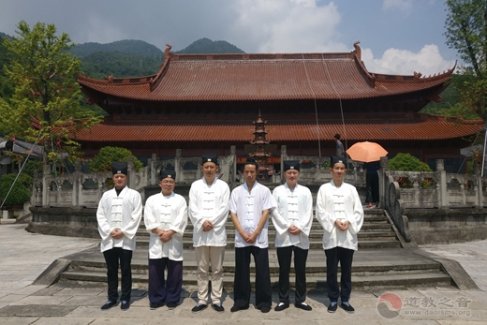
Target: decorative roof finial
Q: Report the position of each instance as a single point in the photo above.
(167, 51)
(358, 50)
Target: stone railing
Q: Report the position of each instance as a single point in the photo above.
(390, 201)
(411, 189)
(401, 190)
(316, 172)
(79, 189)
(439, 189)
(188, 168)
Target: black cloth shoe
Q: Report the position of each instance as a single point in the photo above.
(265, 309)
(198, 308)
(236, 308)
(172, 305)
(124, 304)
(332, 307)
(155, 306)
(347, 307)
(109, 304)
(218, 308)
(281, 306)
(303, 306)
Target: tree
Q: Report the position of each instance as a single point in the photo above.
(466, 31)
(407, 162)
(45, 105)
(5, 89)
(102, 161)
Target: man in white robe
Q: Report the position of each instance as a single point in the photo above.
(118, 215)
(292, 220)
(208, 211)
(250, 205)
(165, 218)
(340, 213)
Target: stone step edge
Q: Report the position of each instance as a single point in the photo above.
(230, 267)
(397, 278)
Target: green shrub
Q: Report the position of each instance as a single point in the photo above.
(21, 191)
(407, 162)
(104, 158)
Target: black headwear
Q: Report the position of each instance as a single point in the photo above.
(335, 159)
(167, 173)
(251, 161)
(291, 164)
(212, 159)
(119, 168)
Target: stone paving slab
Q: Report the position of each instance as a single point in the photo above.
(471, 255)
(36, 310)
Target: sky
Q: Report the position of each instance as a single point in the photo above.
(396, 36)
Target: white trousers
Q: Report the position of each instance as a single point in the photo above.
(210, 268)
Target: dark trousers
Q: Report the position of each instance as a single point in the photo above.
(241, 283)
(161, 290)
(114, 257)
(345, 257)
(372, 186)
(284, 259)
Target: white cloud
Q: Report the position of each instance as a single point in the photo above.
(287, 26)
(396, 61)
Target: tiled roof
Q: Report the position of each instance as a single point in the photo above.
(219, 77)
(429, 129)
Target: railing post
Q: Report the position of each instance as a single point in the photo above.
(131, 174)
(480, 192)
(76, 186)
(441, 186)
(283, 157)
(382, 182)
(152, 170)
(233, 153)
(177, 164)
(45, 185)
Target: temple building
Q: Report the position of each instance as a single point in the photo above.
(204, 103)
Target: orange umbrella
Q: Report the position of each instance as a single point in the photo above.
(366, 151)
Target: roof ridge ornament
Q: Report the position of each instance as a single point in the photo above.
(167, 51)
(358, 50)
(154, 81)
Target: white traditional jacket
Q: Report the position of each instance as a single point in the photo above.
(294, 207)
(334, 203)
(168, 213)
(249, 206)
(123, 211)
(209, 202)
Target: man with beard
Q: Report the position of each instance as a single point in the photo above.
(208, 211)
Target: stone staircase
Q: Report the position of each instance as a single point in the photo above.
(381, 261)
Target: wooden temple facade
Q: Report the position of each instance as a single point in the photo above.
(206, 103)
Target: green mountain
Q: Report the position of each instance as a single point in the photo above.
(125, 58)
(119, 64)
(131, 58)
(132, 47)
(205, 45)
